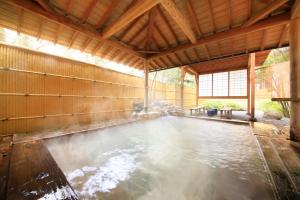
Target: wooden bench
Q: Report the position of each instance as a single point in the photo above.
(226, 113)
(198, 110)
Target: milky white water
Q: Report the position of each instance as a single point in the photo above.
(167, 158)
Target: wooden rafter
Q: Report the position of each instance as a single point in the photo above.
(134, 12)
(60, 19)
(197, 54)
(206, 51)
(234, 32)
(45, 5)
(157, 28)
(193, 17)
(38, 35)
(107, 13)
(187, 56)
(295, 10)
(130, 27)
(88, 10)
(59, 28)
(134, 36)
(73, 38)
(86, 44)
(69, 6)
(165, 20)
(106, 51)
(264, 12)
(247, 43)
(283, 35)
(263, 40)
(152, 15)
(179, 18)
(123, 58)
(249, 8)
(178, 58)
(229, 14)
(20, 20)
(211, 15)
(97, 48)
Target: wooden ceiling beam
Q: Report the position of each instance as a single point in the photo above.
(152, 15)
(234, 32)
(134, 12)
(45, 5)
(263, 40)
(211, 15)
(73, 38)
(59, 28)
(179, 18)
(69, 6)
(86, 44)
(295, 12)
(113, 4)
(160, 33)
(193, 17)
(20, 20)
(88, 10)
(165, 20)
(206, 51)
(229, 14)
(60, 19)
(38, 35)
(283, 35)
(265, 12)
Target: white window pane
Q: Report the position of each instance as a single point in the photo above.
(205, 85)
(220, 84)
(238, 83)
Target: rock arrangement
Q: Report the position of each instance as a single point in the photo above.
(160, 108)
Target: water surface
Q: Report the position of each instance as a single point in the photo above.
(167, 158)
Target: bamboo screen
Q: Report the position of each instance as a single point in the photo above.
(41, 92)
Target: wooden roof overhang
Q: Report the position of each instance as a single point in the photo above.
(168, 33)
(227, 64)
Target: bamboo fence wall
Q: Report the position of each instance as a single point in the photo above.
(41, 92)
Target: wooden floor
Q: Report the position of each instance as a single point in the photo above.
(283, 160)
(33, 174)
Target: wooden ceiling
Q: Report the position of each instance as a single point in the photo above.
(228, 64)
(168, 33)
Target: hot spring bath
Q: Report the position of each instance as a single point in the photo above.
(166, 158)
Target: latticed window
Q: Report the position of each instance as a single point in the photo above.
(233, 83)
(205, 85)
(238, 83)
(220, 84)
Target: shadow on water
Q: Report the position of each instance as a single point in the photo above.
(166, 158)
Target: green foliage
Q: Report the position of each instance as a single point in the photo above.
(277, 56)
(221, 104)
(270, 106)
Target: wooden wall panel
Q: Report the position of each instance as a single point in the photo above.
(41, 92)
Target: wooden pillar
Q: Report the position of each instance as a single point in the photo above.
(248, 88)
(182, 75)
(295, 77)
(197, 88)
(146, 86)
(252, 86)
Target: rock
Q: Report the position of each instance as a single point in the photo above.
(272, 115)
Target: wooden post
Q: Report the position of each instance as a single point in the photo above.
(182, 75)
(295, 77)
(146, 86)
(248, 88)
(197, 88)
(252, 86)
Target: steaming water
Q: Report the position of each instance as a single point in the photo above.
(167, 158)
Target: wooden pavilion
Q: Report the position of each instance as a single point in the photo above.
(202, 36)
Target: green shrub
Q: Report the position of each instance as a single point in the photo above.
(220, 104)
(270, 106)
